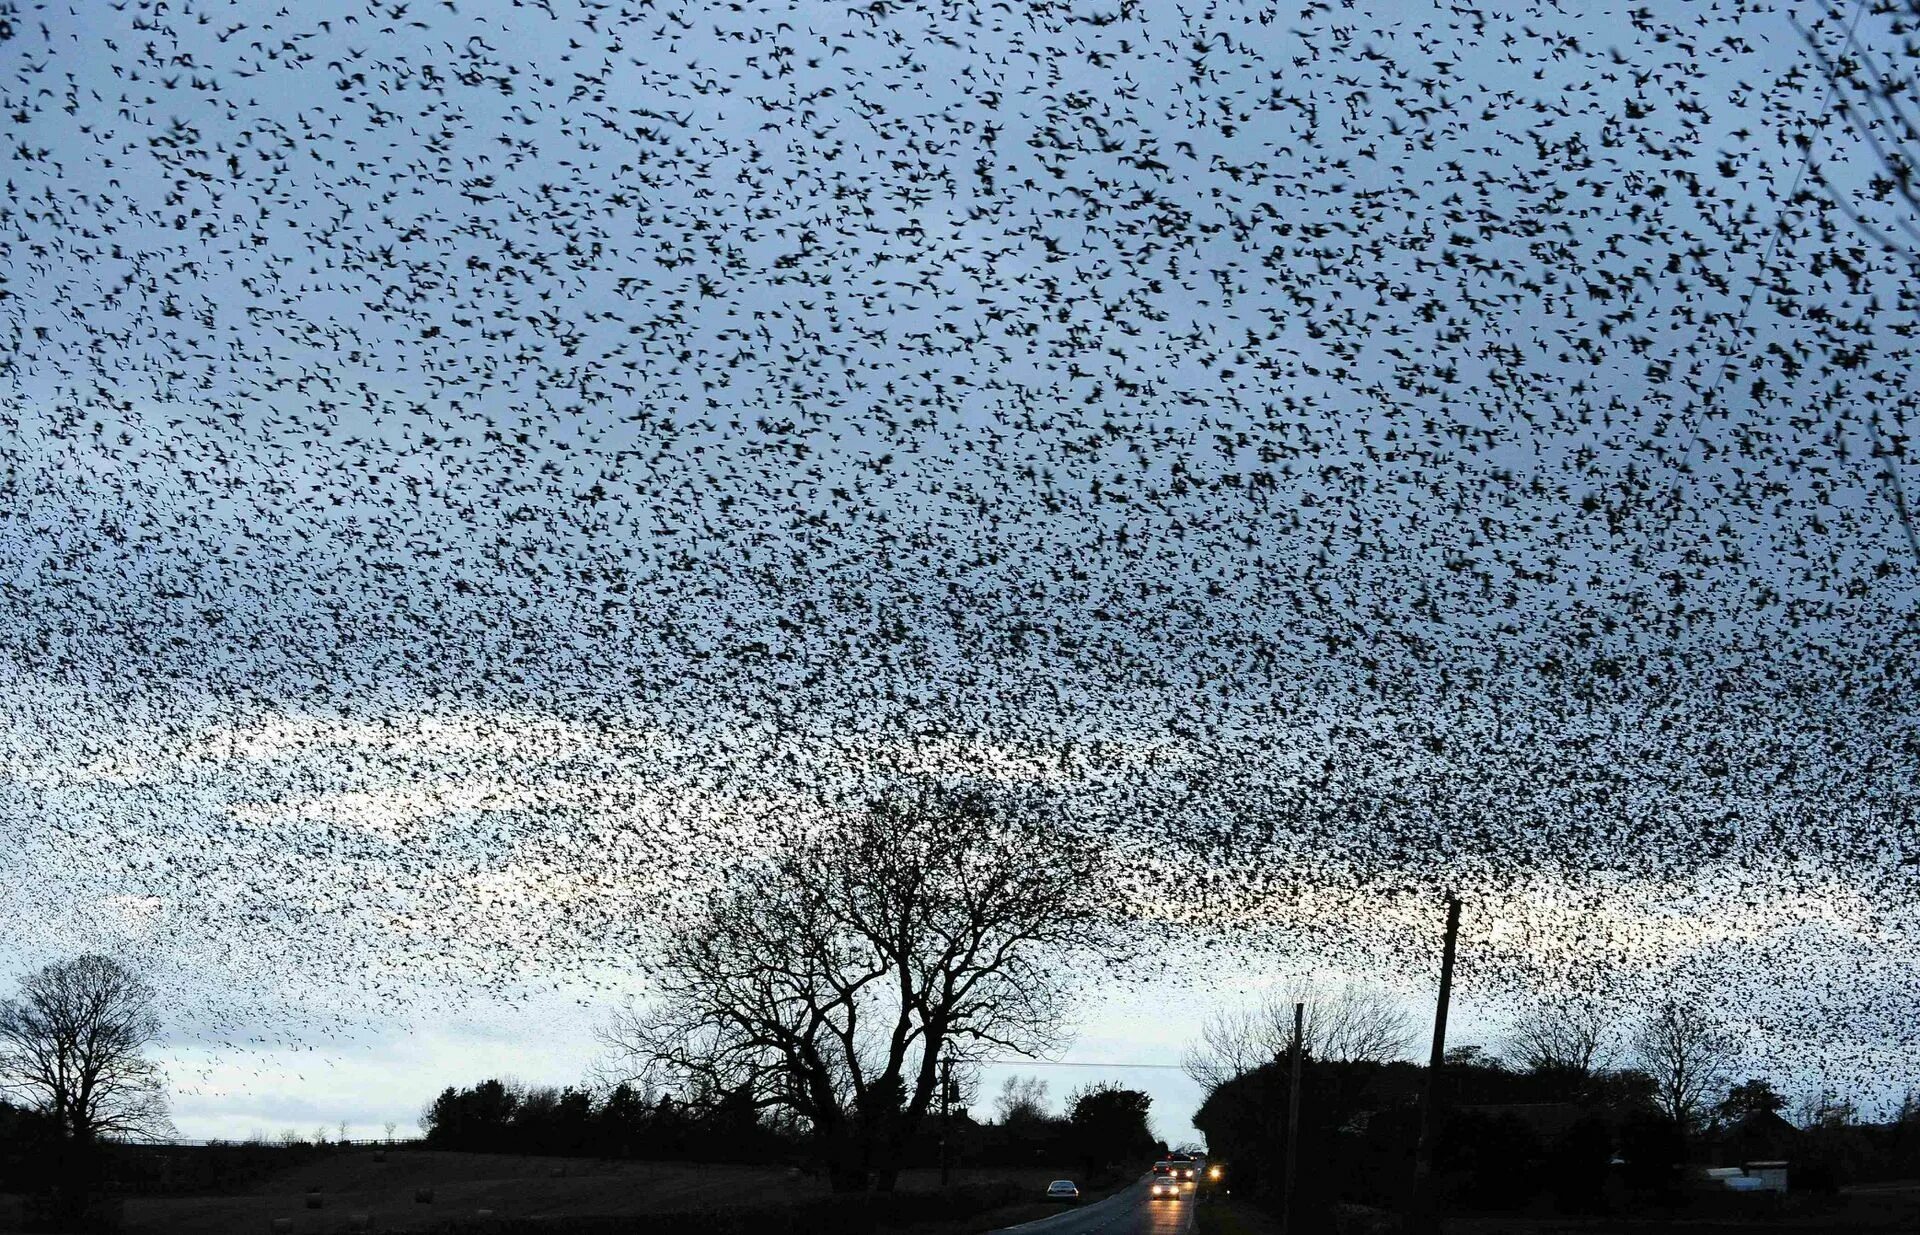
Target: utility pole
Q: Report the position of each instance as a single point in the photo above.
(946, 1113)
(1420, 1215)
(1293, 1120)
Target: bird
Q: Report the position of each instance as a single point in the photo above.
(469, 468)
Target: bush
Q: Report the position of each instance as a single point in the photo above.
(1577, 1165)
(1490, 1162)
(1654, 1148)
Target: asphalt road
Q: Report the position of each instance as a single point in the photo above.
(1127, 1212)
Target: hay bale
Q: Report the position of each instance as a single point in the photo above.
(359, 1222)
(280, 1224)
(423, 1196)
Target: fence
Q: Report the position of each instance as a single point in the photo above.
(280, 1142)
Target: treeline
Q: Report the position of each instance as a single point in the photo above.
(498, 1116)
(1104, 1126)
(1509, 1139)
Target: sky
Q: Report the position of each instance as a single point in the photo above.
(469, 467)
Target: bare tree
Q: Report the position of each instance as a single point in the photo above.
(73, 1046)
(1233, 1041)
(1356, 1023)
(1571, 1035)
(828, 978)
(1879, 96)
(1826, 1109)
(1688, 1055)
(1023, 1099)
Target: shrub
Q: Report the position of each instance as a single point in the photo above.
(1653, 1147)
(1819, 1177)
(1577, 1164)
(1488, 1161)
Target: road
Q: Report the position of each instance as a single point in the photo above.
(1129, 1211)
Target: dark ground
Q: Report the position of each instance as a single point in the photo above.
(1880, 1209)
(511, 1186)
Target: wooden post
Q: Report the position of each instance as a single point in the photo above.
(1420, 1214)
(1293, 1120)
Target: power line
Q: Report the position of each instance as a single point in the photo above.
(1064, 1063)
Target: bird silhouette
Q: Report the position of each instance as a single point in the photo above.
(471, 469)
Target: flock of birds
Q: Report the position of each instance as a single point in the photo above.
(472, 467)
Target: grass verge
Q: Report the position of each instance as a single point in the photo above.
(1025, 1211)
(1222, 1215)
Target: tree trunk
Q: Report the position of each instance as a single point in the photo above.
(847, 1161)
(894, 1129)
(73, 1182)
(882, 1133)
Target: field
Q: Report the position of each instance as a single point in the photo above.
(1868, 1210)
(464, 1184)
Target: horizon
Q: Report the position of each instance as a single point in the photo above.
(480, 478)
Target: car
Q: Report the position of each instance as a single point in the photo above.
(1164, 1189)
(1174, 1169)
(1064, 1190)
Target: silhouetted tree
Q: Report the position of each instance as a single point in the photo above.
(73, 1047)
(1827, 1109)
(1566, 1036)
(622, 1122)
(1354, 1024)
(1023, 1099)
(1620, 1092)
(478, 1118)
(1688, 1056)
(828, 978)
(1472, 1055)
(1752, 1097)
(1109, 1125)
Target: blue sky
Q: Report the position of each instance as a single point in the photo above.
(468, 467)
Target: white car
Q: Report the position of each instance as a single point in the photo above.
(1064, 1190)
(1164, 1188)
